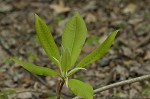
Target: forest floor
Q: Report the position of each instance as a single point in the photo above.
(129, 56)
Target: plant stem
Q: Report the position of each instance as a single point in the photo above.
(59, 88)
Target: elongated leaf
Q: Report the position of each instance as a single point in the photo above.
(39, 70)
(81, 89)
(66, 60)
(98, 52)
(46, 40)
(74, 36)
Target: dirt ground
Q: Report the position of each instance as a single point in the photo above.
(129, 57)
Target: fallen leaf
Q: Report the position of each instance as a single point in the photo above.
(5, 7)
(130, 8)
(127, 51)
(90, 6)
(2, 74)
(25, 95)
(26, 79)
(135, 21)
(90, 18)
(147, 55)
(59, 8)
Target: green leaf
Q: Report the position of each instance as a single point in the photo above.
(3, 96)
(8, 92)
(98, 52)
(46, 40)
(66, 60)
(81, 89)
(4, 93)
(74, 36)
(39, 70)
(146, 92)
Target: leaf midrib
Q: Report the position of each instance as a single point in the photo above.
(48, 40)
(74, 35)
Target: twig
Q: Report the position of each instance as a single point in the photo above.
(125, 82)
(33, 91)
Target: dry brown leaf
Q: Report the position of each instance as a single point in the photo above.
(130, 8)
(127, 51)
(5, 7)
(90, 18)
(147, 56)
(25, 95)
(2, 74)
(59, 8)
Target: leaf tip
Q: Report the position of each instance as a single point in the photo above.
(77, 14)
(115, 32)
(35, 15)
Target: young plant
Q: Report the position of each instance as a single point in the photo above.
(5, 93)
(73, 38)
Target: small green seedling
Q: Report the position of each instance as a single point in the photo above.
(73, 38)
(4, 93)
(147, 90)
